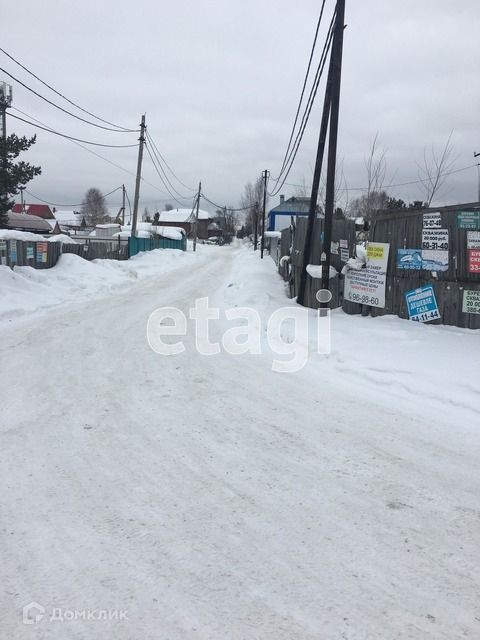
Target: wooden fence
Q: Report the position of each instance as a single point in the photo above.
(404, 231)
(40, 255)
(292, 244)
(44, 255)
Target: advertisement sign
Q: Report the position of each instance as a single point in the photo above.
(367, 286)
(468, 220)
(473, 239)
(344, 255)
(471, 301)
(432, 220)
(13, 251)
(30, 253)
(334, 248)
(473, 256)
(42, 251)
(3, 252)
(422, 304)
(409, 259)
(435, 249)
(343, 244)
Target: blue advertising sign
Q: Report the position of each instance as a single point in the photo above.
(422, 304)
(409, 258)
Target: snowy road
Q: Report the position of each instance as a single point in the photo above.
(211, 498)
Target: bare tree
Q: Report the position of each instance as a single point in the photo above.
(252, 200)
(433, 172)
(168, 207)
(94, 208)
(376, 166)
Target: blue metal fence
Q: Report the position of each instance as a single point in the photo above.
(135, 245)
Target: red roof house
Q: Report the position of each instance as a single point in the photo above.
(40, 210)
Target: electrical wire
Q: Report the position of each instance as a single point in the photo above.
(398, 184)
(63, 135)
(163, 170)
(93, 124)
(125, 129)
(147, 147)
(152, 142)
(313, 92)
(114, 164)
(222, 206)
(307, 73)
(77, 204)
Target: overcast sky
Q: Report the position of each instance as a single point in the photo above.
(219, 82)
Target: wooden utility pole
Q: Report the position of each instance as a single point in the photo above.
(265, 178)
(333, 79)
(123, 204)
(337, 51)
(475, 155)
(195, 223)
(255, 226)
(139, 176)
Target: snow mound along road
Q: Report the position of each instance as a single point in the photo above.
(26, 290)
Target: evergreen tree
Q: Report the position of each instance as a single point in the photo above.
(13, 175)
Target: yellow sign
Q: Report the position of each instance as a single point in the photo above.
(374, 252)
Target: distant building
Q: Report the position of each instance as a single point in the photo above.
(280, 216)
(30, 223)
(40, 210)
(70, 220)
(184, 218)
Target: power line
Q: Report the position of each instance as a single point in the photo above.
(155, 148)
(56, 204)
(222, 206)
(390, 186)
(114, 164)
(64, 97)
(307, 73)
(63, 135)
(163, 171)
(93, 124)
(308, 109)
(147, 146)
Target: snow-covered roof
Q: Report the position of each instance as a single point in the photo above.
(72, 218)
(111, 225)
(182, 215)
(26, 222)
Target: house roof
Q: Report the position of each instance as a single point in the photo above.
(40, 210)
(292, 206)
(73, 218)
(26, 222)
(183, 215)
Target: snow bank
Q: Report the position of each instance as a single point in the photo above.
(26, 236)
(26, 290)
(61, 237)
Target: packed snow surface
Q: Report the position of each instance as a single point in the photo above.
(209, 497)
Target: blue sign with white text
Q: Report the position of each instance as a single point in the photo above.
(422, 304)
(409, 259)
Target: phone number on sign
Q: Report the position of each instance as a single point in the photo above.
(363, 299)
